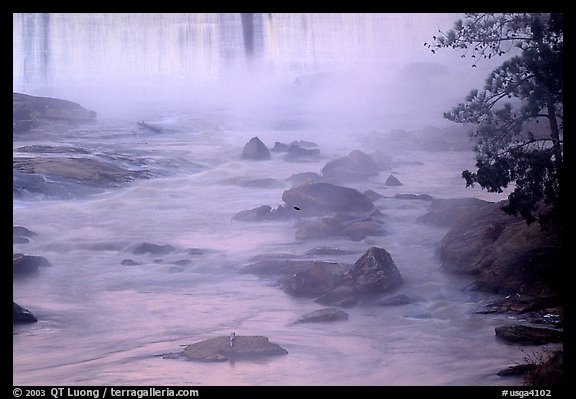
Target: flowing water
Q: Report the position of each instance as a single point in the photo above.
(105, 323)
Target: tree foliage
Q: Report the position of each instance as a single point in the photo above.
(518, 114)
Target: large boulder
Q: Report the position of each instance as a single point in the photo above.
(504, 253)
(245, 347)
(444, 212)
(27, 264)
(315, 280)
(356, 166)
(317, 199)
(255, 150)
(22, 315)
(373, 273)
(26, 106)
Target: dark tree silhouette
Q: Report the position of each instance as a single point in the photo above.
(519, 113)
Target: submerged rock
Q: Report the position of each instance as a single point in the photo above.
(153, 249)
(526, 335)
(27, 264)
(323, 315)
(245, 347)
(22, 315)
(255, 150)
(445, 212)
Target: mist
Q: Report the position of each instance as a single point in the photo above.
(112, 309)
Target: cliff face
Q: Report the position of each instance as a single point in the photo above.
(506, 254)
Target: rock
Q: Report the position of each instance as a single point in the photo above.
(149, 127)
(305, 177)
(424, 197)
(504, 253)
(27, 264)
(445, 212)
(327, 251)
(245, 347)
(356, 166)
(255, 150)
(258, 214)
(373, 273)
(396, 300)
(315, 280)
(317, 199)
(22, 315)
(392, 181)
(49, 149)
(87, 171)
(516, 370)
(130, 262)
(153, 249)
(22, 232)
(278, 267)
(299, 154)
(326, 227)
(521, 304)
(50, 108)
(182, 262)
(526, 335)
(323, 315)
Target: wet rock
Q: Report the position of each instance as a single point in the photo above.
(245, 347)
(516, 370)
(304, 177)
(373, 273)
(327, 251)
(22, 315)
(408, 196)
(153, 249)
(49, 149)
(299, 154)
(356, 166)
(149, 127)
(255, 150)
(283, 147)
(130, 262)
(327, 227)
(49, 108)
(504, 253)
(257, 214)
(516, 303)
(20, 231)
(317, 199)
(282, 267)
(445, 212)
(526, 335)
(392, 181)
(89, 171)
(396, 300)
(315, 280)
(27, 264)
(323, 315)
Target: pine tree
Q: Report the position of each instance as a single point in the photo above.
(518, 114)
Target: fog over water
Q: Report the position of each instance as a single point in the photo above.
(212, 82)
